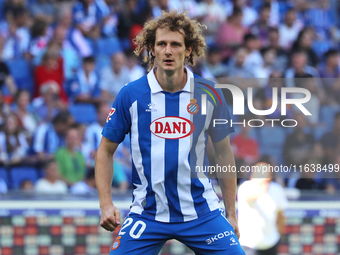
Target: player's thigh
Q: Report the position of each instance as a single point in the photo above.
(212, 237)
(138, 235)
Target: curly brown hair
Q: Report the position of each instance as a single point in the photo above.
(174, 21)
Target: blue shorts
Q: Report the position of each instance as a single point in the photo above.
(208, 235)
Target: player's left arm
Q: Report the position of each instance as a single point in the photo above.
(224, 156)
(280, 222)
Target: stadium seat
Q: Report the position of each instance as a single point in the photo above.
(19, 174)
(5, 91)
(2, 16)
(254, 133)
(108, 46)
(40, 172)
(125, 44)
(3, 175)
(292, 182)
(320, 131)
(102, 61)
(22, 74)
(320, 47)
(327, 115)
(84, 113)
(272, 140)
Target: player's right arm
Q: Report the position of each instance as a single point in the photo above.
(110, 217)
(117, 125)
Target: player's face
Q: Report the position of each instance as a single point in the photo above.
(169, 50)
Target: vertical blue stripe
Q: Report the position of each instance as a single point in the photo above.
(197, 188)
(135, 176)
(171, 161)
(144, 138)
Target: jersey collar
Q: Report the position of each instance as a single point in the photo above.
(155, 87)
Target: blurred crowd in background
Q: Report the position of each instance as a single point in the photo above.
(63, 63)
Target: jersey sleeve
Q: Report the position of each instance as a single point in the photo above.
(72, 88)
(220, 131)
(78, 13)
(39, 139)
(103, 9)
(118, 122)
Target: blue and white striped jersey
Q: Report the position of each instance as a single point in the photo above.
(166, 142)
(91, 16)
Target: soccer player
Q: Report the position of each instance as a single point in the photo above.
(168, 139)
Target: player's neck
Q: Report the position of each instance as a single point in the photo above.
(171, 82)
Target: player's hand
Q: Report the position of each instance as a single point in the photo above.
(110, 218)
(233, 222)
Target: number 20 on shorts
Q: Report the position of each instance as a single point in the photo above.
(132, 231)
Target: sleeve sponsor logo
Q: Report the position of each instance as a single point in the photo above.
(112, 111)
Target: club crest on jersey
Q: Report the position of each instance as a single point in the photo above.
(172, 127)
(112, 111)
(116, 243)
(193, 108)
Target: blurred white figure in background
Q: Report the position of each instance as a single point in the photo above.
(51, 183)
(261, 204)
